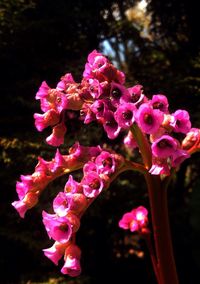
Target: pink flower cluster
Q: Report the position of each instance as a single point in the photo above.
(31, 186)
(102, 96)
(70, 205)
(135, 220)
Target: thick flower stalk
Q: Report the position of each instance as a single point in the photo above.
(146, 124)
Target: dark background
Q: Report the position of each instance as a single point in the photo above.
(42, 40)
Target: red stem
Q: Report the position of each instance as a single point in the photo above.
(165, 269)
(148, 241)
(162, 236)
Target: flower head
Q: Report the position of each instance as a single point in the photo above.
(149, 119)
(58, 228)
(164, 147)
(125, 115)
(135, 220)
(72, 261)
(160, 102)
(182, 121)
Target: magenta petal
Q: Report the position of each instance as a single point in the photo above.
(110, 126)
(21, 207)
(53, 253)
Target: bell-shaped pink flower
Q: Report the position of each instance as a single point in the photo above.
(65, 80)
(110, 125)
(164, 147)
(43, 91)
(30, 199)
(58, 228)
(72, 186)
(134, 95)
(129, 141)
(21, 207)
(57, 136)
(86, 113)
(135, 220)
(128, 222)
(65, 202)
(140, 215)
(55, 252)
(89, 167)
(116, 92)
(159, 167)
(182, 121)
(99, 107)
(105, 163)
(125, 115)
(149, 119)
(92, 184)
(49, 118)
(192, 139)
(72, 261)
(160, 102)
(61, 204)
(95, 88)
(178, 157)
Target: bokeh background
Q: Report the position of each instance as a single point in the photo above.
(157, 44)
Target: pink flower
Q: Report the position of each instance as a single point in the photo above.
(99, 107)
(43, 91)
(95, 89)
(164, 147)
(124, 115)
(72, 261)
(22, 188)
(49, 118)
(128, 222)
(160, 102)
(77, 202)
(89, 167)
(73, 220)
(140, 215)
(130, 142)
(92, 184)
(61, 204)
(182, 121)
(58, 228)
(65, 80)
(57, 136)
(110, 125)
(105, 163)
(72, 185)
(178, 157)
(72, 101)
(96, 64)
(192, 139)
(149, 119)
(116, 92)
(30, 200)
(65, 202)
(86, 113)
(159, 167)
(21, 207)
(134, 95)
(55, 252)
(85, 153)
(135, 220)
